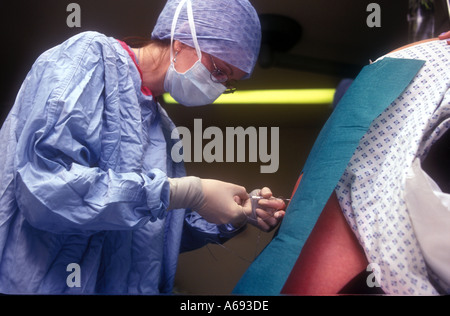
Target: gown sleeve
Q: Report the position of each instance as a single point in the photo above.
(197, 232)
(68, 178)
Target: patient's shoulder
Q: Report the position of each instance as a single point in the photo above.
(415, 43)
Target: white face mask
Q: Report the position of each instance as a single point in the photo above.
(193, 87)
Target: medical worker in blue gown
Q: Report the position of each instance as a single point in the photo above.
(87, 178)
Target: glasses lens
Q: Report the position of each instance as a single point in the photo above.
(219, 76)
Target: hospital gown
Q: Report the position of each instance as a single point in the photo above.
(371, 191)
(85, 157)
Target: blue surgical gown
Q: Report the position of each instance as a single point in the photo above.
(85, 157)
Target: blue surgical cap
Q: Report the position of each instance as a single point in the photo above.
(227, 29)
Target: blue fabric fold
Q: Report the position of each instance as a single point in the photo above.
(85, 157)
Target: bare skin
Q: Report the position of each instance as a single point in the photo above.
(330, 258)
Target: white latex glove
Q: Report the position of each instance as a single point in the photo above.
(269, 210)
(216, 201)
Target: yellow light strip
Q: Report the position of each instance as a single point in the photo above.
(286, 96)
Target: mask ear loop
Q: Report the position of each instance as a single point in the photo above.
(174, 24)
(193, 30)
(191, 27)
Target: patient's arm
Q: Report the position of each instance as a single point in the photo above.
(330, 258)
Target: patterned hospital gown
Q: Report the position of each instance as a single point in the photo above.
(371, 190)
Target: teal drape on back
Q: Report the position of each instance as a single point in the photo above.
(374, 89)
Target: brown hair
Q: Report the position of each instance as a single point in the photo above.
(142, 42)
(139, 41)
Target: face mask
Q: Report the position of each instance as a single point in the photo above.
(193, 87)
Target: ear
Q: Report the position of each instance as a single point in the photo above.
(177, 46)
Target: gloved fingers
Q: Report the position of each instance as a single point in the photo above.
(267, 200)
(262, 225)
(238, 191)
(223, 202)
(266, 208)
(272, 203)
(266, 215)
(265, 193)
(268, 220)
(240, 220)
(270, 212)
(267, 211)
(246, 206)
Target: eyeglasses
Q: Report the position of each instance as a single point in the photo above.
(219, 76)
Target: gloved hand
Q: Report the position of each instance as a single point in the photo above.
(269, 211)
(216, 201)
